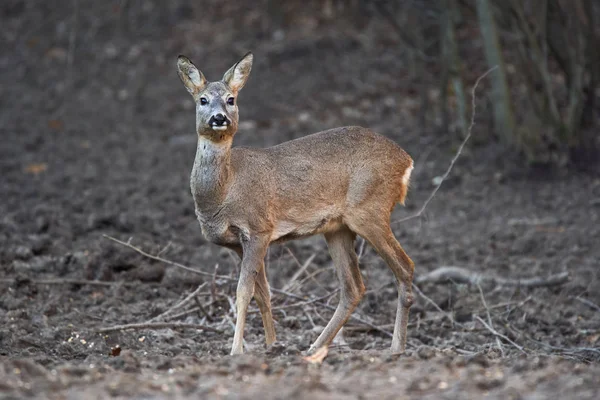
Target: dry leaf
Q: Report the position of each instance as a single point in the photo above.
(318, 356)
(36, 168)
(593, 339)
(97, 295)
(56, 124)
(550, 229)
(115, 351)
(32, 42)
(57, 53)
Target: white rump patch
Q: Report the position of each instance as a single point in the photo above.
(406, 176)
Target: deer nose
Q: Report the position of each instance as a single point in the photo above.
(219, 121)
(220, 118)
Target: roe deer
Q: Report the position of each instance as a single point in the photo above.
(342, 182)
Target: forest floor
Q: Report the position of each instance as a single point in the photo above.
(98, 139)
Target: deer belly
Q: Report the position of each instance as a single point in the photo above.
(287, 230)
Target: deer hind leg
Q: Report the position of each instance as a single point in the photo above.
(341, 248)
(380, 236)
(262, 295)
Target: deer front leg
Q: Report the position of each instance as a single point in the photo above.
(254, 251)
(262, 295)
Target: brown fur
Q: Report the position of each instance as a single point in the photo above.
(341, 182)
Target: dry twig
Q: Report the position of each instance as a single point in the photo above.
(300, 303)
(354, 317)
(463, 275)
(180, 304)
(166, 261)
(458, 152)
(489, 317)
(518, 304)
(303, 267)
(587, 303)
(500, 335)
(434, 304)
(67, 282)
(157, 325)
(187, 312)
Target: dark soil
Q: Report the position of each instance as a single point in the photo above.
(97, 138)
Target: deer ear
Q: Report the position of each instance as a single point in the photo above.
(237, 75)
(192, 78)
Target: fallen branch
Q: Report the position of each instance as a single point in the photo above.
(434, 304)
(462, 275)
(588, 303)
(498, 334)
(185, 313)
(178, 305)
(579, 353)
(290, 285)
(299, 304)
(66, 282)
(489, 318)
(455, 158)
(157, 325)
(199, 308)
(164, 260)
(354, 317)
(518, 304)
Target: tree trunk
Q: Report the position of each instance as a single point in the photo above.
(503, 114)
(454, 65)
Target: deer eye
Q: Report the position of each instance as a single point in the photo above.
(231, 101)
(203, 101)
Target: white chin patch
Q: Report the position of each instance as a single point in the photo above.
(220, 127)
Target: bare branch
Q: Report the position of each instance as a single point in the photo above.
(489, 318)
(434, 304)
(157, 325)
(169, 262)
(458, 152)
(66, 282)
(588, 303)
(462, 275)
(179, 305)
(500, 335)
(291, 285)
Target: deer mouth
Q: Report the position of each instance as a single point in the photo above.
(219, 122)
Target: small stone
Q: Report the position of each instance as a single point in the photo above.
(111, 51)
(426, 352)
(42, 264)
(42, 224)
(22, 252)
(291, 322)
(39, 243)
(123, 94)
(304, 116)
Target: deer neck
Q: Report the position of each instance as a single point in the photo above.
(211, 174)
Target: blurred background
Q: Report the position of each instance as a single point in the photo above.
(97, 137)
